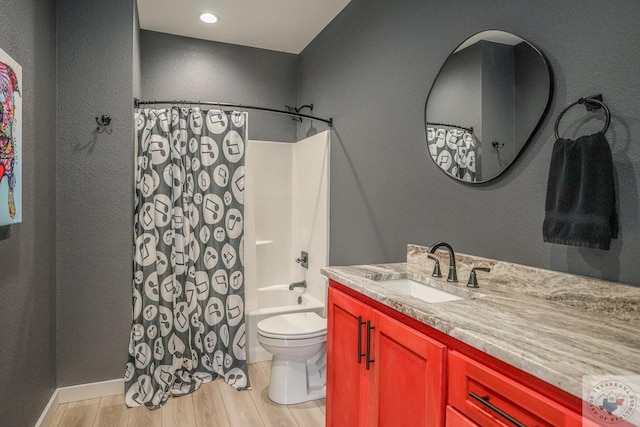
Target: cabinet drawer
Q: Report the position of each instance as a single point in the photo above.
(456, 419)
(491, 399)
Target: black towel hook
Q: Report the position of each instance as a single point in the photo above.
(103, 124)
(592, 103)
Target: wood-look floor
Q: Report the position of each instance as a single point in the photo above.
(214, 404)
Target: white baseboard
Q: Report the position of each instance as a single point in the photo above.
(91, 390)
(78, 392)
(49, 410)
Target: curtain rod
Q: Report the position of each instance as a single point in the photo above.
(469, 129)
(137, 103)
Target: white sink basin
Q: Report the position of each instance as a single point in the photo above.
(418, 290)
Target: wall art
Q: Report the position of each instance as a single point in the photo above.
(10, 140)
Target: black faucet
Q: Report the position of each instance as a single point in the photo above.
(302, 284)
(453, 275)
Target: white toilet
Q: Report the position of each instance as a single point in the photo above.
(298, 342)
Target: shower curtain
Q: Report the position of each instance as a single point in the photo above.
(454, 150)
(188, 272)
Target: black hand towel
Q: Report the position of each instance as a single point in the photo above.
(580, 207)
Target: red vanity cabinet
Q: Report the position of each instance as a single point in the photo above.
(380, 372)
(386, 369)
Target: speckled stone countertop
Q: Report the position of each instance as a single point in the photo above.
(555, 326)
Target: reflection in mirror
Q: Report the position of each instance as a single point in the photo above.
(486, 103)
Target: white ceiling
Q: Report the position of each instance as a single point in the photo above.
(282, 25)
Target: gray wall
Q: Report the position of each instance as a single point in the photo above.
(372, 68)
(137, 72)
(531, 92)
(182, 68)
(27, 270)
(94, 189)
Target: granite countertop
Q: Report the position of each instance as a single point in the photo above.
(555, 326)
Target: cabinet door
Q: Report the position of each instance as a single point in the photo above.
(491, 399)
(408, 376)
(347, 379)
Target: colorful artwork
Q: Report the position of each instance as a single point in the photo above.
(10, 140)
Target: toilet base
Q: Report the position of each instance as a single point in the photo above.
(295, 381)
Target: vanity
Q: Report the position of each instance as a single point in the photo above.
(512, 352)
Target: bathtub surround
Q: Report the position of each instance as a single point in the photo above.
(188, 280)
(311, 189)
(287, 212)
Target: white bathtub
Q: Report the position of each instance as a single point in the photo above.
(274, 300)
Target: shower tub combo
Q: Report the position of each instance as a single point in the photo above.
(286, 216)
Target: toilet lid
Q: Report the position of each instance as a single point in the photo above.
(293, 325)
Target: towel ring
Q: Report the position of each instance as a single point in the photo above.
(585, 101)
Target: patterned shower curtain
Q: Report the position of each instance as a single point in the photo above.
(454, 150)
(188, 277)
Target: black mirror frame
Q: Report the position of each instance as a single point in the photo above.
(533, 131)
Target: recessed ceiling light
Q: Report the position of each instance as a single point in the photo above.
(208, 17)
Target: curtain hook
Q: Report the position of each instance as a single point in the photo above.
(103, 122)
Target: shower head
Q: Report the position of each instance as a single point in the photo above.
(293, 110)
(297, 110)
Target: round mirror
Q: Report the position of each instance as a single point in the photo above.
(486, 103)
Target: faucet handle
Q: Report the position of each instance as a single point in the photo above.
(473, 281)
(436, 267)
(303, 259)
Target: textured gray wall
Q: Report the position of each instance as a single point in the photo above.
(137, 72)
(371, 69)
(182, 68)
(27, 270)
(531, 92)
(94, 189)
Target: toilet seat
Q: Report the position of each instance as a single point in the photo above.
(293, 326)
